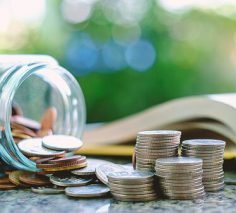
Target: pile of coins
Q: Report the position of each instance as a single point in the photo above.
(151, 145)
(180, 178)
(212, 154)
(85, 182)
(132, 186)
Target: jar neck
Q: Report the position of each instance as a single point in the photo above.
(72, 118)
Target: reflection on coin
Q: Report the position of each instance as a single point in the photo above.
(160, 133)
(7, 186)
(34, 179)
(69, 180)
(14, 178)
(93, 190)
(103, 170)
(184, 161)
(130, 176)
(62, 142)
(33, 147)
(48, 189)
(90, 169)
(204, 142)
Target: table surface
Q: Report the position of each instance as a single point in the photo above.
(27, 201)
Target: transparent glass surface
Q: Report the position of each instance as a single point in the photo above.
(36, 83)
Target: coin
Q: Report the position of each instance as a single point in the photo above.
(90, 169)
(93, 190)
(103, 170)
(184, 161)
(4, 180)
(25, 122)
(160, 133)
(48, 189)
(154, 196)
(14, 178)
(66, 167)
(34, 179)
(48, 119)
(130, 186)
(33, 147)
(62, 142)
(204, 142)
(7, 186)
(69, 159)
(130, 176)
(69, 180)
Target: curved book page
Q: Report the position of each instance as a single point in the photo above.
(216, 113)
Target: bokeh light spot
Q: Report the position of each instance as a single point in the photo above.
(140, 55)
(113, 56)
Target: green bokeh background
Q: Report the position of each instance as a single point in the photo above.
(196, 54)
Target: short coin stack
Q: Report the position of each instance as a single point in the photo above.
(132, 186)
(180, 178)
(212, 154)
(151, 145)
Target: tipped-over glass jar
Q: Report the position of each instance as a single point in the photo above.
(35, 83)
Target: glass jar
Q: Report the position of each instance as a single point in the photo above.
(36, 82)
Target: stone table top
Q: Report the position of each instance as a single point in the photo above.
(26, 201)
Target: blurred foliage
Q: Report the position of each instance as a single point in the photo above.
(195, 54)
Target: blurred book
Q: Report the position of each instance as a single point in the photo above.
(208, 116)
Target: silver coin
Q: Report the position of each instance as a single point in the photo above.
(202, 151)
(179, 180)
(90, 169)
(130, 186)
(179, 161)
(93, 190)
(132, 182)
(69, 180)
(133, 190)
(204, 142)
(178, 171)
(179, 175)
(48, 190)
(62, 142)
(134, 196)
(130, 175)
(103, 170)
(33, 147)
(181, 187)
(180, 194)
(156, 146)
(157, 133)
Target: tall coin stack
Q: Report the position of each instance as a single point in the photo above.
(212, 154)
(152, 145)
(132, 186)
(180, 178)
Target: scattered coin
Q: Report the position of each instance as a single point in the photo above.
(103, 170)
(69, 180)
(90, 169)
(34, 179)
(62, 142)
(48, 189)
(33, 147)
(14, 178)
(93, 190)
(7, 186)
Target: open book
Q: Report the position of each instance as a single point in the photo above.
(208, 116)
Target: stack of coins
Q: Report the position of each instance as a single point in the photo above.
(180, 178)
(132, 186)
(151, 145)
(212, 153)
